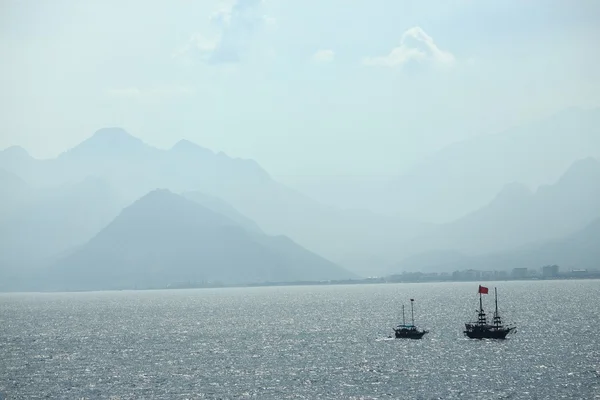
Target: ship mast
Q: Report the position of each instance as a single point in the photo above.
(482, 320)
(497, 320)
(496, 297)
(403, 320)
(412, 311)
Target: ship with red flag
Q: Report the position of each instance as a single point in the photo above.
(481, 329)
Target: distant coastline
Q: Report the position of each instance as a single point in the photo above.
(366, 281)
(426, 278)
(382, 280)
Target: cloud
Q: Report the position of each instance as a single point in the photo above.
(154, 93)
(198, 45)
(415, 45)
(323, 56)
(236, 23)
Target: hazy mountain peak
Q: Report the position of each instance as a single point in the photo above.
(107, 141)
(514, 190)
(15, 154)
(219, 206)
(114, 132)
(165, 202)
(580, 174)
(535, 153)
(159, 195)
(187, 147)
(164, 238)
(16, 159)
(171, 208)
(10, 179)
(114, 136)
(16, 151)
(582, 166)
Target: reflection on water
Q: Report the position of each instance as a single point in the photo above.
(300, 342)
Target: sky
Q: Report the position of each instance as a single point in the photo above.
(313, 90)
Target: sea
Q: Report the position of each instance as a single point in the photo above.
(300, 342)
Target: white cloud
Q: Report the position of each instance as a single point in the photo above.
(323, 56)
(198, 44)
(415, 45)
(236, 23)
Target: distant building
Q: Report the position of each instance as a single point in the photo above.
(550, 271)
(488, 275)
(502, 275)
(466, 275)
(520, 273)
(579, 272)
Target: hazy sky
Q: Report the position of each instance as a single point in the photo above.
(304, 87)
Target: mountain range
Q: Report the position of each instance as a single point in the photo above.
(63, 209)
(166, 238)
(132, 169)
(47, 221)
(468, 174)
(13, 191)
(519, 216)
(579, 250)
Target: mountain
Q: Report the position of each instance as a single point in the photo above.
(518, 216)
(134, 168)
(51, 220)
(10, 183)
(219, 206)
(13, 192)
(579, 250)
(165, 238)
(332, 232)
(108, 144)
(16, 161)
(466, 175)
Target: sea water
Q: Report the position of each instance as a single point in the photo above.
(303, 342)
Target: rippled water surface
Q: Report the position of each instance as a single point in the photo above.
(299, 342)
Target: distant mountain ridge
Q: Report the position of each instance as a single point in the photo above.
(110, 152)
(13, 192)
(219, 206)
(466, 175)
(518, 216)
(50, 221)
(135, 168)
(579, 250)
(164, 238)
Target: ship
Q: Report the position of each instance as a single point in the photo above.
(481, 329)
(409, 331)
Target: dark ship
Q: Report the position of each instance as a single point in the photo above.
(481, 329)
(409, 331)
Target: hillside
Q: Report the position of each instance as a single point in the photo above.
(164, 238)
(466, 175)
(14, 191)
(580, 250)
(518, 216)
(219, 206)
(52, 220)
(134, 168)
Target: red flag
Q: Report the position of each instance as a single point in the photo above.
(483, 289)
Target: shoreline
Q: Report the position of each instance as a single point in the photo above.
(366, 281)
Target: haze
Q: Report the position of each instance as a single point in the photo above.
(369, 139)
